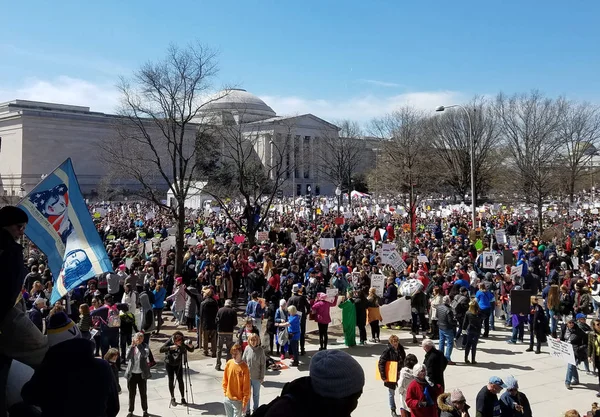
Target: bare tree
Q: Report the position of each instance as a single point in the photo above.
(530, 125)
(579, 131)
(450, 138)
(253, 166)
(403, 168)
(155, 147)
(341, 153)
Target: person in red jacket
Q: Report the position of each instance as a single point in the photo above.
(421, 397)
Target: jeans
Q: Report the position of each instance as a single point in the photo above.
(447, 340)
(137, 382)
(553, 322)
(303, 332)
(323, 338)
(572, 374)
(255, 384)
(109, 339)
(178, 316)
(172, 372)
(227, 340)
(233, 408)
(485, 317)
(491, 317)
(391, 398)
(519, 332)
(294, 350)
(471, 345)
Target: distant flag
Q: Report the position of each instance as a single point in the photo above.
(61, 226)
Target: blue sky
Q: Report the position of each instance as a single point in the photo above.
(336, 59)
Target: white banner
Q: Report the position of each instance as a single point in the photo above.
(501, 236)
(562, 350)
(378, 282)
(397, 311)
(327, 243)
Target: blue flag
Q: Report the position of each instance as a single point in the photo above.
(61, 226)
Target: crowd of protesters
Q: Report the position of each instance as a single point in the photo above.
(455, 296)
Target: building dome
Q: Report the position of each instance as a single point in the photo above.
(242, 105)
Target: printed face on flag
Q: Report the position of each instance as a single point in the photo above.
(53, 204)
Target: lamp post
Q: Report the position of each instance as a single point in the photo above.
(338, 193)
(472, 146)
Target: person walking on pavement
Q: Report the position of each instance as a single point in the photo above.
(394, 352)
(435, 362)
(472, 327)
(571, 333)
(255, 311)
(447, 325)
(226, 322)
(301, 303)
(208, 320)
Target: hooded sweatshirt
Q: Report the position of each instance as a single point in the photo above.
(147, 313)
(255, 358)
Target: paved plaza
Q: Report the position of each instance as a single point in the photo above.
(541, 378)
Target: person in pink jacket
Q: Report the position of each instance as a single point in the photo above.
(320, 310)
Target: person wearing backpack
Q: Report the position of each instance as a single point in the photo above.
(147, 324)
(128, 326)
(460, 306)
(110, 322)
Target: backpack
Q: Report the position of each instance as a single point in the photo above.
(113, 319)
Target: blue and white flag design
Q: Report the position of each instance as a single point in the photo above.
(61, 226)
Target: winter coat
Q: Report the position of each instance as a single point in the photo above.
(294, 328)
(435, 363)
(446, 407)
(174, 357)
(406, 377)
(208, 314)
(130, 356)
(418, 303)
(270, 315)
(192, 303)
(159, 298)
(78, 356)
(179, 298)
(256, 360)
(131, 299)
(435, 302)
(391, 355)
(321, 311)
(446, 320)
(472, 323)
(416, 394)
(390, 294)
(35, 315)
(537, 319)
(147, 314)
(301, 303)
(13, 272)
(226, 320)
(583, 302)
(373, 311)
(507, 405)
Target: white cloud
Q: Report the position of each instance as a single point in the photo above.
(362, 108)
(102, 97)
(380, 83)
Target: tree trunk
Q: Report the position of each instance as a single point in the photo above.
(540, 223)
(179, 237)
(250, 226)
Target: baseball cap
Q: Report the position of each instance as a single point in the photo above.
(580, 316)
(496, 380)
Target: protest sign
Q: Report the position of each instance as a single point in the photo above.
(398, 310)
(339, 220)
(294, 237)
(262, 236)
(397, 262)
(391, 371)
(239, 239)
(207, 231)
(501, 236)
(516, 271)
(423, 259)
(577, 225)
(148, 248)
(489, 260)
(220, 239)
(562, 350)
(331, 294)
(479, 245)
(378, 282)
(327, 243)
(513, 241)
(386, 250)
(192, 241)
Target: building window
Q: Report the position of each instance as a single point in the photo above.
(306, 139)
(298, 189)
(308, 189)
(5, 192)
(317, 190)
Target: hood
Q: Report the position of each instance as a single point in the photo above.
(145, 301)
(444, 403)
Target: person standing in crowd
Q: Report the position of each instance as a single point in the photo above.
(299, 300)
(147, 325)
(128, 327)
(321, 310)
(348, 321)
(113, 282)
(179, 299)
(594, 349)
(208, 320)
(484, 299)
(245, 331)
(373, 314)
(537, 326)
(514, 403)
(406, 377)
(85, 322)
(487, 403)
(332, 388)
(553, 306)
(394, 352)
(36, 313)
(71, 359)
(294, 330)
(112, 357)
(137, 373)
(130, 297)
(282, 338)
(226, 322)
(254, 356)
(571, 333)
(109, 327)
(472, 327)
(421, 395)
(255, 311)
(435, 362)
(236, 384)
(581, 353)
(447, 325)
(436, 300)
(160, 294)
(175, 350)
(453, 404)
(192, 306)
(418, 305)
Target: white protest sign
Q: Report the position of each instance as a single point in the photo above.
(501, 236)
(347, 215)
(423, 259)
(207, 231)
(148, 247)
(577, 225)
(150, 215)
(386, 250)
(327, 243)
(128, 262)
(192, 241)
(359, 238)
(562, 350)
(294, 237)
(399, 310)
(262, 236)
(220, 239)
(378, 282)
(397, 262)
(575, 261)
(331, 294)
(513, 241)
(489, 260)
(516, 271)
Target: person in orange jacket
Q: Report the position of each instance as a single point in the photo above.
(236, 384)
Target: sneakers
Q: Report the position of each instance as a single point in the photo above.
(511, 342)
(173, 402)
(145, 414)
(474, 362)
(451, 363)
(529, 350)
(568, 386)
(394, 413)
(218, 368)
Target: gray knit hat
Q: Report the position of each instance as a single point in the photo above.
(335, 374)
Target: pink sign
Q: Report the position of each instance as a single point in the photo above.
(239, 239)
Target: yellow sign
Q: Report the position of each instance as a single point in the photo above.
(96, 215)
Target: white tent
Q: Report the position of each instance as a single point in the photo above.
(195, 198)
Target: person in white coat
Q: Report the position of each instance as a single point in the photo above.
(406, 377)
(179, 298)
(130, 297)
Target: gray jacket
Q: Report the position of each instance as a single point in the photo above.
(445, 316)
(193, 301)
(143, 348)
(255, 358)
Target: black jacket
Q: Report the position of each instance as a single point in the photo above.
(301, 303)
(12, 272)
(435, 363)
(445, 317)
(208, 314)
(174, 357)
(391, 355)
(226, 320)
(72, 395)
(472, 323)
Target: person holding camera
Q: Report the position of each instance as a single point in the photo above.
(175, 349)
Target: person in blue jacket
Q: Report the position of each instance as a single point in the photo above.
(294, 334)
(160, 293)
(484, 299)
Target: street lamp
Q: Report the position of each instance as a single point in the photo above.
(472, 146)
(338, 193)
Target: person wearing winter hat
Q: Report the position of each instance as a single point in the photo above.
(332, 389)
(72, 358)
(453, 404)
(300, 301)
(514, 403)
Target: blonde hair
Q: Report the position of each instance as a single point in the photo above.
(254, 337)
(474, 307)
(292, 310)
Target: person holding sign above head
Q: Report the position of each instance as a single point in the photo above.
(389, 366)
(323, 317)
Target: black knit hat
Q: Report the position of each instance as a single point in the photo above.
(10, 215)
